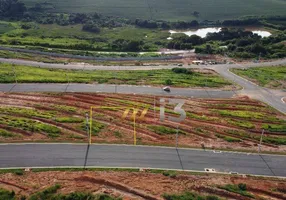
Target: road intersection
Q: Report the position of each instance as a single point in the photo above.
(73, 155)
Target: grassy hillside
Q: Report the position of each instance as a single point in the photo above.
(169, 9)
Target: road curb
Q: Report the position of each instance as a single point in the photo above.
(148, 168)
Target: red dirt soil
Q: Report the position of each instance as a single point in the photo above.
(204, 125)
(141, 185)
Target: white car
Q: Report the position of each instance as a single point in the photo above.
(167, 89)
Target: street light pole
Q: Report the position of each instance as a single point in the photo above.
(259, 146)
(177, 136)
(14, 71)
(87, 124)
(88, 136)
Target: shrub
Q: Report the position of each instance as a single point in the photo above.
(169, 82)
(181, 71)
(19, 172)
(7, 195)
(242, 186)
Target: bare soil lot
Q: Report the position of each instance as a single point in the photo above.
(147, 184)
(231, 124)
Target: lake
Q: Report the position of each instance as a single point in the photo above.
(202, 32)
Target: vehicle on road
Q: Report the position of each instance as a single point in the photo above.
(167, 89)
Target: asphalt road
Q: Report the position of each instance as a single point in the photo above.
(84, 66)
(250, 89)
(123, 89)
(73, 155)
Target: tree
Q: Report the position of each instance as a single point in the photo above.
(91, 27)
(196, 14)
(12, 8)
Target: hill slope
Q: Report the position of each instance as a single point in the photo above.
(170, 9)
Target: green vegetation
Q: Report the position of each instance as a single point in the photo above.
(140, 26)
(51, 194)
(118, 134)
(273, 77)
(6, 134)
(171, 174)
(65, 108)
(228, 139)
(96, 127)
(239, 189)
(241, 123)
(266, 139)
(29, 125)
(162, 130)
(4, 27)
(189, 196)
(69, 119)
(27, 112)
(7, 195)
(275, 127)
(26, 74)
(170, 10)
(245, 115)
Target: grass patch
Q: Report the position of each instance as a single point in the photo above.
(162, 130)
(27, 74)
(65, 108)
(275, 127)
(239, 189)
(118, 134)
(171, 174)
(228, 138)
(245, 114)
(27, 112)
(29, 125)
(5, 27)
(96, 127)
(69, 120)
(240, 123)
(272, 77)
(189, 196)
(6, 134)
(169, 10)
(7, 195)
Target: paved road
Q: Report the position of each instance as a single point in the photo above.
(250, 89)
(125, 89)
(84, 66)
(73, 155)
(271, 97)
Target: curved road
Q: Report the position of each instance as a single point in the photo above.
(75, 155)
(271, 97)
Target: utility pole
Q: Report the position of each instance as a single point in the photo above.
(67, 77)
(14, 72)
(177, 136)
(259, 146)
(88, 143)
(154, 108)
(87, 124)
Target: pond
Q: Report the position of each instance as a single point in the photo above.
(202, 32)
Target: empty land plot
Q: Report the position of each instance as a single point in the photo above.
(169, 10)
(272, 77)
(123, 184)
(25, 74)
(210, 123)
